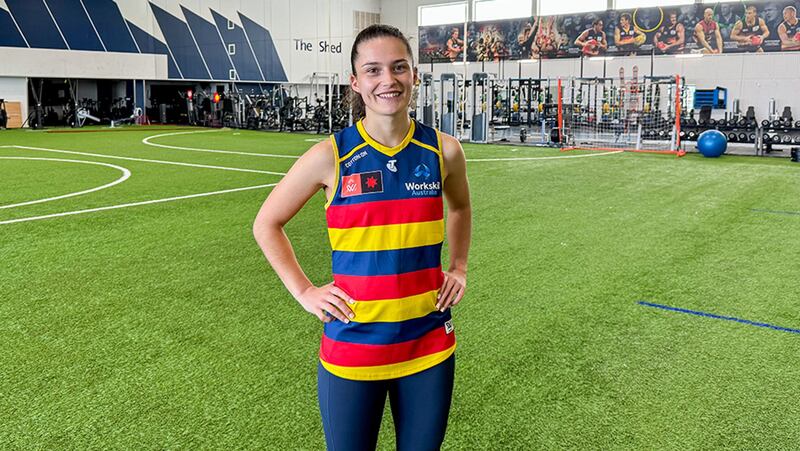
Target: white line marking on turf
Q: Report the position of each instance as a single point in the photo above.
(147, 142)
(125, 175)
(135, 204)
(176, 163)
(560, 157)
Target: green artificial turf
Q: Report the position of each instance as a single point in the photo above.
(161, 326)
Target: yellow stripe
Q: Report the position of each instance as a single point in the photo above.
(387, 237)
(379, 372)
(395, 310)
(425, 146)
(336, 175)
(350, 154)
(441, 155)
(390, 151)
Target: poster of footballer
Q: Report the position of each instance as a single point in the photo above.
(441, 43)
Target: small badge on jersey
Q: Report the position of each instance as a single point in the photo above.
(448, 326)
(362, 183)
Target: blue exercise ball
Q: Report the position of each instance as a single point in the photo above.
(712, 143)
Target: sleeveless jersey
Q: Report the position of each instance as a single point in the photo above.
(708, 30)
(386, 227)
(669, 33)
(751, 30)
(596, 35)
(791, 30)
(626, 35)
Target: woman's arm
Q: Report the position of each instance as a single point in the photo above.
(314, 170)
(459, 222)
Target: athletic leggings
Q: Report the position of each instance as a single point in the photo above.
(352, 410)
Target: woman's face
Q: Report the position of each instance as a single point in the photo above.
(384, 76)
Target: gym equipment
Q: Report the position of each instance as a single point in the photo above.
(712, 143)
(481, 107)
(426, 101)
(449, 103)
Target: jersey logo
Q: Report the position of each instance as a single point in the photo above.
(391, 165)
(448, 326)
(362, 183)
(422, 171)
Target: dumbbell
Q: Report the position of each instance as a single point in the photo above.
(765, 123)
(777, 123)
(692, 135)
(797, 124)
(797, 139)
(692, 122)
(742, 122)
(752, 137)
(742, 137)
(777, 138)
(732, 137)
(766, 138)
(787, 139)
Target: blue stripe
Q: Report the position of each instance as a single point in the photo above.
(36, 24)
(246, 66)
(714, 316)
(9, 36)
(210, 44)
(180, 42)
(264, 48)
(110, 25)
(384, 263)
(75, 25)
(149, 44)
(385, 333)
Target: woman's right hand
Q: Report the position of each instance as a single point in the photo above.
(325, 300)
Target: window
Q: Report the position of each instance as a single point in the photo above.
(631, 4)
(553, 7)
(442, 14)
(232, 74)
(230, 24)
(501, 9)
(231, 49)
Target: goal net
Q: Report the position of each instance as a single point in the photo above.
(634, 114)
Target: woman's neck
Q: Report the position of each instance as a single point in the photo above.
(387, 130)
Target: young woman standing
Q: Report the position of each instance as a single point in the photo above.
(387, 323)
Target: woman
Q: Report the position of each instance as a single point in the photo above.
(387, 324)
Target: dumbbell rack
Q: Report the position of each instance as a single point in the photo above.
(777, 132)
(737, 130)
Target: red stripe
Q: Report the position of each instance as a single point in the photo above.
(355, 354)
(385, 212)
(373, 288)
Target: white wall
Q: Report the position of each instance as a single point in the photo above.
(310, 20)
(752, 78)
(15, 90)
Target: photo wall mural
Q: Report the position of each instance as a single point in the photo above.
(725, 27)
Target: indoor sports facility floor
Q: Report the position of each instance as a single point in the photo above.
(143, 314)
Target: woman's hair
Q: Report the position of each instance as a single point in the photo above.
(354, 100)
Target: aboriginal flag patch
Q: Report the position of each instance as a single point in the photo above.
(362, 183)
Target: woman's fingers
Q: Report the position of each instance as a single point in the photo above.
(341, 307)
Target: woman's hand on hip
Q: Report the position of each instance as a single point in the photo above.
(327, 302)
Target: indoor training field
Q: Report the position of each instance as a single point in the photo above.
(138, 312)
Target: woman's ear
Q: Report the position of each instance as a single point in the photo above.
(354, 83)
(416, 77)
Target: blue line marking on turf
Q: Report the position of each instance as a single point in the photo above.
(777, 212)
(726, 318)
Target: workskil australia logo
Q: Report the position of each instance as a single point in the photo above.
(423, 188)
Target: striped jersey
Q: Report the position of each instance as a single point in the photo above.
(386, 227)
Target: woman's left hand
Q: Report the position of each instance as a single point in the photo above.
(452, 291)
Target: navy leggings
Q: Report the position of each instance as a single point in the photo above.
(352, 410)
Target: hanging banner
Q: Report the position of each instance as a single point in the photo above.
(725, 27)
